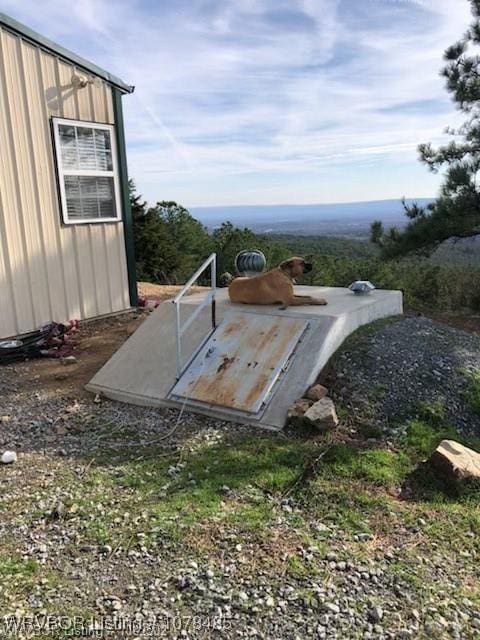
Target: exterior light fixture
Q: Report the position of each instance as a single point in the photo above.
(80, 82)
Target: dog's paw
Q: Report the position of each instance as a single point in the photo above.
(322, 301)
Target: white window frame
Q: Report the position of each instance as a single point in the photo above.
(61, 172)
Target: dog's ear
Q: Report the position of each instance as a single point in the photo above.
(286, 265)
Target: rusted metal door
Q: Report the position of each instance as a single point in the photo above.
(242, 361)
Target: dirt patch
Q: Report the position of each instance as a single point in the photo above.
(162, 291)
(97, 341)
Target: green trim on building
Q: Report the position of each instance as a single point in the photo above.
(127, 209)
(61, 52)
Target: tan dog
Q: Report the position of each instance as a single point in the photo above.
(274, 286)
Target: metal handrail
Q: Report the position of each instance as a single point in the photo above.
(210, 297)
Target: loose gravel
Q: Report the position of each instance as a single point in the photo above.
(391, 371)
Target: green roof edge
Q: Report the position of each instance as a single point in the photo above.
(66, 54)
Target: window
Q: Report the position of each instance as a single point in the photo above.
(87, 171)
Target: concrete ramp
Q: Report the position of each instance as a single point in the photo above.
(258, 361)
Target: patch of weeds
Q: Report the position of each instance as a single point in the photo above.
(342, 413)
(451, 524)
(369, 430)
(377, 392)
(432, 412)
(17, 578)
(340, 508)
(99, 531)
(344, 502)
(309, 598)
(96, 505)
(297, 567)
(408, 571)
(11, 566)
(472, 394)
(247, 517)
(422, 438)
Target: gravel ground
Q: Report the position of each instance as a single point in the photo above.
(415, 359)
(46, 423)
(238, 586)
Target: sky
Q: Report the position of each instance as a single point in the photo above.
(269, 101)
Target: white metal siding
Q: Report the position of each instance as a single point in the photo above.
(48, 271)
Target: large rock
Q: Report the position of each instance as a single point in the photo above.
(456, 461)
(322, 414)
(317, 392)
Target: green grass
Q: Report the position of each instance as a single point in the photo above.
(238, 484)
(423, 438)
(234, 483)
(247, 471)
(12, 566)
(237, 494)
(378, 466)
(367, 430)
(472, 395)
(194, 502)
(299, 568)
(19, 576)
(187, 498)
(429, 427)
(409, 571)
(432, 412)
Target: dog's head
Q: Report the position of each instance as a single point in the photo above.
(295, 267)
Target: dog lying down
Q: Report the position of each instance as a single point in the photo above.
(274, 286)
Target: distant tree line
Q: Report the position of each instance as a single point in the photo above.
(170, 244)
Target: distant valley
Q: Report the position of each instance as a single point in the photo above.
(339, 219)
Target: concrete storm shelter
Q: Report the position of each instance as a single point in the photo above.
(66, 244)
(249, 366)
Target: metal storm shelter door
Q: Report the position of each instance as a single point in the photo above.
(241, 361)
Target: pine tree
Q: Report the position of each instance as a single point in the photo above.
(169, 243)
(455, 214)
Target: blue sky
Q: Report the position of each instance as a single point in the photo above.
(269, 101)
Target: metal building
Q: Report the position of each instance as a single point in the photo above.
(66, 241)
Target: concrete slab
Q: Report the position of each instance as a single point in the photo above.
(143, 370)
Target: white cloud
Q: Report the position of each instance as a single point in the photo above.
(234, 97)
